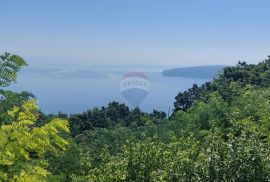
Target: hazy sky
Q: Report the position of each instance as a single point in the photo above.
(160, 32)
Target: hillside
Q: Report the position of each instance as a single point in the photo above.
(219, 131)
(194, 72)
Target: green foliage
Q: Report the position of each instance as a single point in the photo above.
(73, 162)
(9, 66)
(158, 114)
(23, 147)
(112, 115)
(242, 74)
(106, 117)
(219, 142)
(8, 100)
(218, 132)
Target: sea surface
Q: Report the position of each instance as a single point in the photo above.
(74, 90)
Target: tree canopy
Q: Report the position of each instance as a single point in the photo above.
(219, 131)
(9, 66)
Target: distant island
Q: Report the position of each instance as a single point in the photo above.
(194, 72)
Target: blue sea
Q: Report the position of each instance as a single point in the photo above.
(74, 90)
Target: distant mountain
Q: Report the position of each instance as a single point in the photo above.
(63, 73)
(194, 72)
(88, 72)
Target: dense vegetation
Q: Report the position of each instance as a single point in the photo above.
(219, 131)
(24, 147)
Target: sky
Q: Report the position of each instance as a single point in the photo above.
(153, 32)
